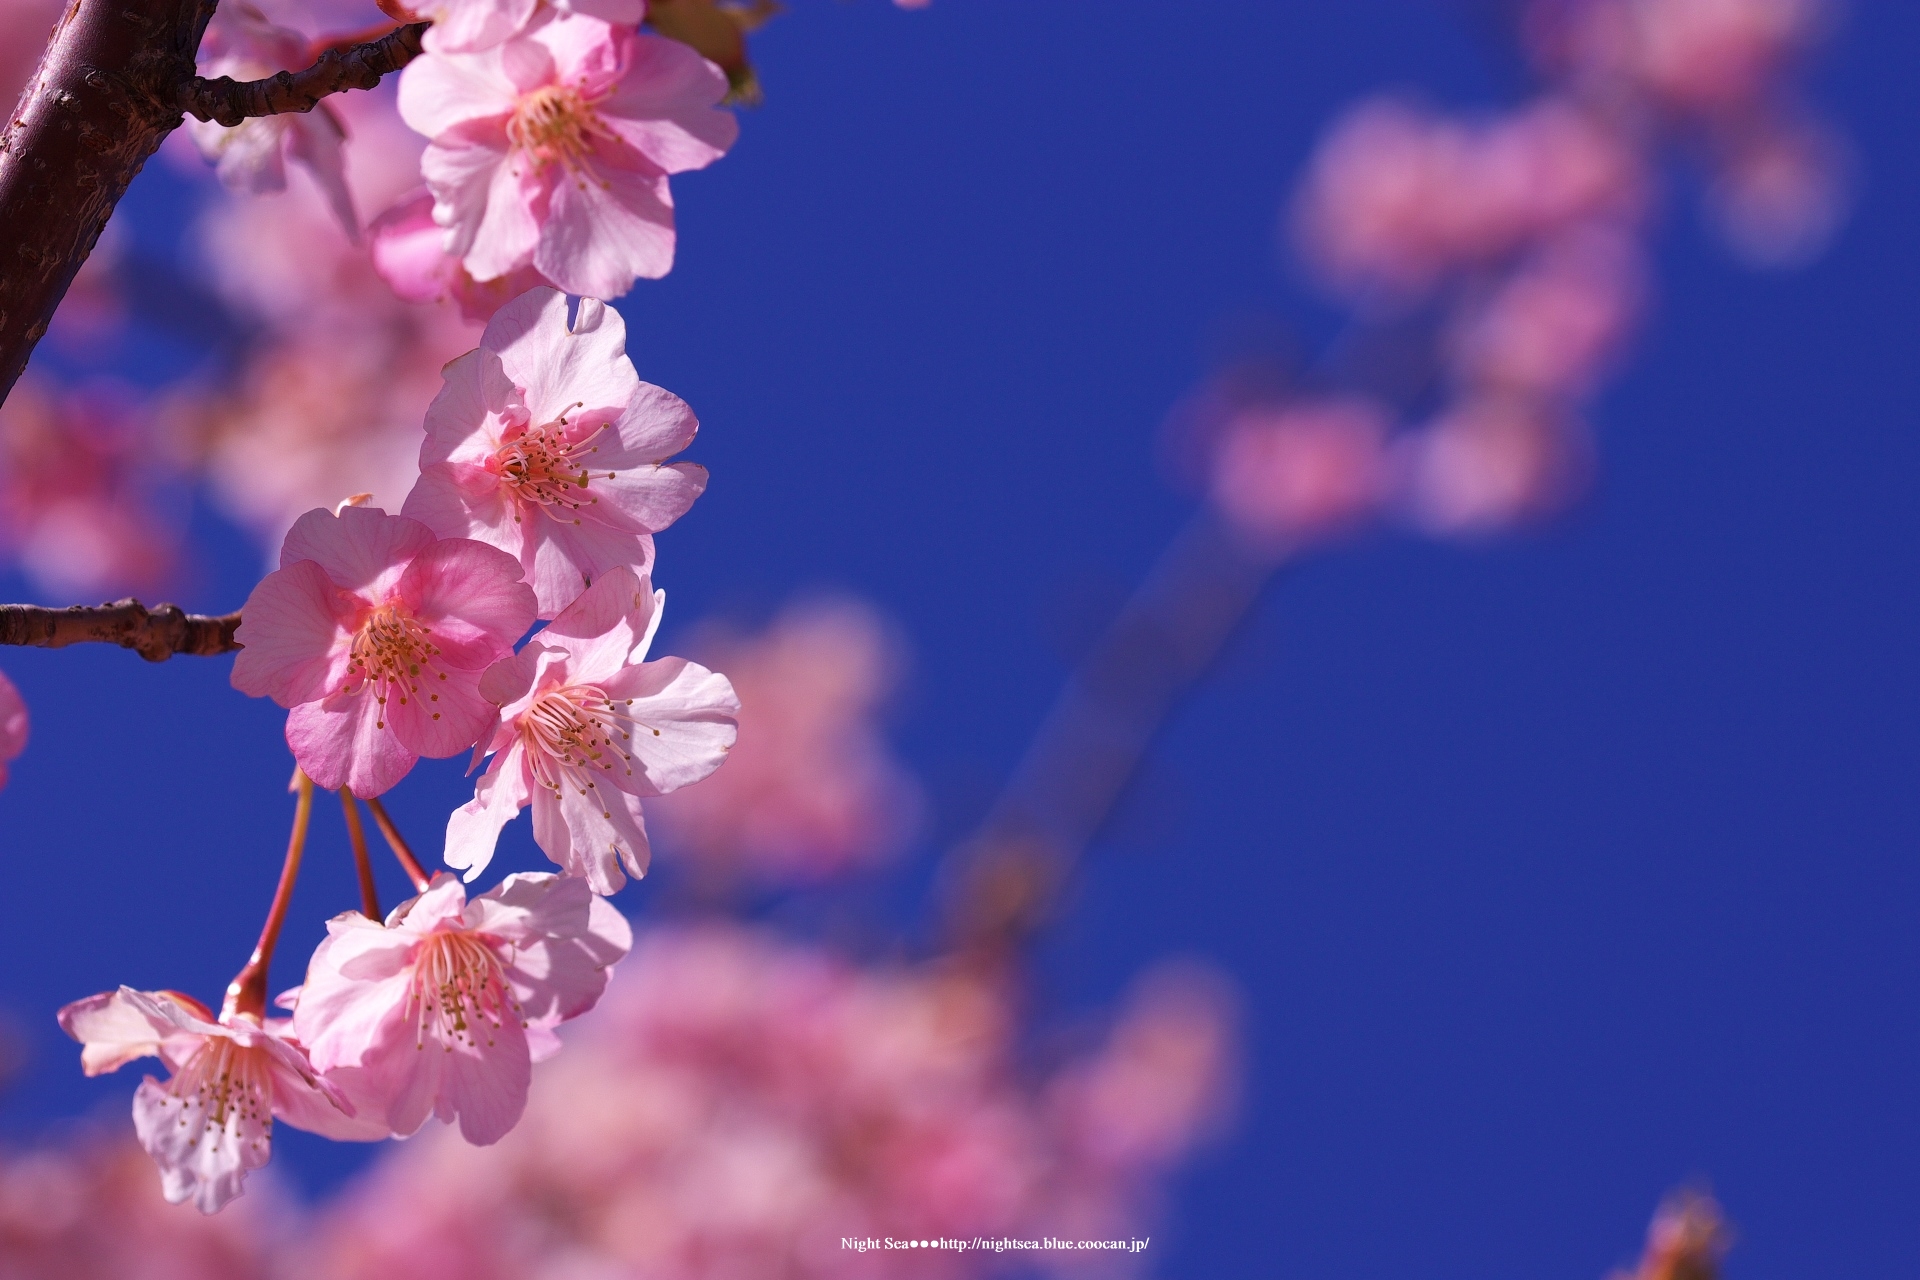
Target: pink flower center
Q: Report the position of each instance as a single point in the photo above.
(555, 123)
(543, 466)
(575, 727)
(459, 995)
(230, 1085)
(390, 651)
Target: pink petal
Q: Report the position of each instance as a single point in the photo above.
(473, 410)
(563, 559)
(357, 983)
(362, 549)
(665, 107)
(296, 647)
(408, 249)
(456, 500)
(445, 716)
(586, 51)
(460, 174)
(439, 93)
(508, 234)
(626, 13)
(204, 1152)
(686, 719)
(561, 367)
(472, 598)
(343, 741)
(465, 26)
(315, 141)
(474, 828)
(656, 425)
(113, 1031)
(604, 229)
(649, 496)
(600, 630)
(593, 831)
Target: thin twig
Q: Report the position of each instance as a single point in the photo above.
(369, 892)
(398, 844)
(227, 101)
(156, 634)
(247, 993)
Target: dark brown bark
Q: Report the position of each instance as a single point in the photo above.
(155, 634)
(114, 82)
(106, 94)
(359, 67)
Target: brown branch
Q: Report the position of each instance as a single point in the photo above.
(227, 101)
(105, 95)
(155, 634)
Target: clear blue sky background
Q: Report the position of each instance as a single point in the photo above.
(1557, 873)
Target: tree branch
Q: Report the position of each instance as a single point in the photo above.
(229, 102)
(155, 634)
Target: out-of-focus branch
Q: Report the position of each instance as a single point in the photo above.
(228, 101)
(1002, 882)
(156, 634)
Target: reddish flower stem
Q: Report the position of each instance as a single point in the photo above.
(399, 845)
(369, 892)
(247, 993)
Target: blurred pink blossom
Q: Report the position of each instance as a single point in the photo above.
(443, 1009)
(25, 26)
(89, 1208)
(252, 155)
(1303, 471)
(553, 149)
(1780, 192)
(1690, 56)
(811, 788)
(581, 706)
(72, 505)
(739, 1104)
(1550, 327)
(13, 725)
(374, 634)
(1396, 197)
(212, 1121)
(1488, 464)
(545, 443)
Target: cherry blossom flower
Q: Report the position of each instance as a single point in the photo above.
(409, 251)
(552, 150)
(1308, 470)
(1685, 1242)
(545, 443)
(1489, 463)
(588, 727)
(374, 634)
(251, 156)
(812, 788)
(443, 1009)
(212, 1122)
(13, 725)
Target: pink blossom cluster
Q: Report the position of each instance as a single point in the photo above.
(811, 789)
(1518, 241)
(87, 1208)
(741, 1103)
(544, 474)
